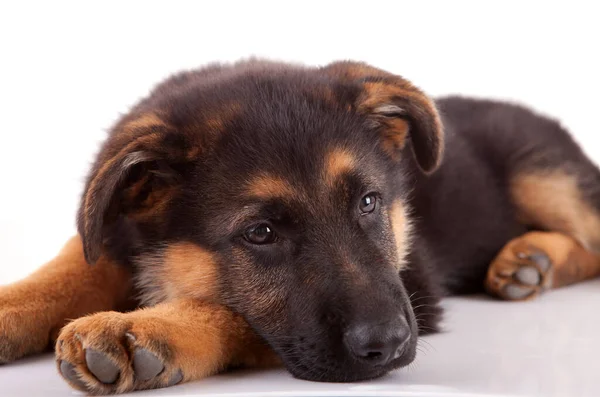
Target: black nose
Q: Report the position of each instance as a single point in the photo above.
(377, 344)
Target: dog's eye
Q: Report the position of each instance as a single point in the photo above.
(260, 234)
(367, 204)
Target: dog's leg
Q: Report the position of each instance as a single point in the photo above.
(166, 344)
(538, 261)
(564, 202)
(33, 310)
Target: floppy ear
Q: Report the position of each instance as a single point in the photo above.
(404, 113)
(134, 176)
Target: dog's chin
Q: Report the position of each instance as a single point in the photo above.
(318, 371)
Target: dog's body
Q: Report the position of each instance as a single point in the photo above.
(263, 212)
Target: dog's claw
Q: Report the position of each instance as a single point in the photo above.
(146, 365)
(101, 366)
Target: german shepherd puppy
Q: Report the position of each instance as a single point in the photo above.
(262, 213)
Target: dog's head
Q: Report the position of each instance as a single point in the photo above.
(279, 191)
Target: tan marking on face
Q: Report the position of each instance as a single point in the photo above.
(183, 270)
(401, 228)
(552, 200)
(265, 186)
(337, 162)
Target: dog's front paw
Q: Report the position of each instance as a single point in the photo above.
(110, 353)
(521, 271)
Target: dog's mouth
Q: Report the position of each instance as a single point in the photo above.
(333, 360)
(327, 368)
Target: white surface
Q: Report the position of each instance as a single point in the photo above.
(547, 347)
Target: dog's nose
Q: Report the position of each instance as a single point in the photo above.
(377, 344)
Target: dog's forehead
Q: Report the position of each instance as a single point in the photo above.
(302, 183)
(267, 135)
(278, 127)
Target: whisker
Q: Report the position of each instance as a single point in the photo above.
(424, 297)
(423, 305)
(425, 314)
(428, 344)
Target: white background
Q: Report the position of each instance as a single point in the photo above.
(68, 69)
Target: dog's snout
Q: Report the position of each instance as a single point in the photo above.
(377, 344)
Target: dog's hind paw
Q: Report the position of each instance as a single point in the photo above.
(521, 271)
(107, 353)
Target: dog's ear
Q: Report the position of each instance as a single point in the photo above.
(135, 176)
(404, 113)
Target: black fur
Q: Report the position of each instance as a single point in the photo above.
(280, 120)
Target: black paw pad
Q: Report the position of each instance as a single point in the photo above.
(101, 366)
(146, 365)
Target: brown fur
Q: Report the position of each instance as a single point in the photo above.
(553, 201)
(198, 339)
(33, 310)
(569, 262)
(144, 122)
(180, 270)
(268, 187)
(338, 162)
(351, 71)
(401, 228)
(382, 89)
(395, 138)
(217, 121)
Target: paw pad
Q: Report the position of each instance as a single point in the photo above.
(146, 365)
(97, 356)
(519, 275)
(101, 367)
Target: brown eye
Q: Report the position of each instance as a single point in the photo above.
(260, 234)
(367, 204)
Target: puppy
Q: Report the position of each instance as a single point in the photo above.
(263, 213)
